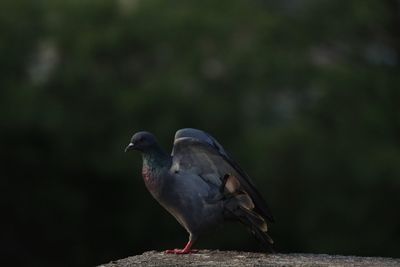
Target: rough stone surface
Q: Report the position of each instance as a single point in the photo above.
(236, 258)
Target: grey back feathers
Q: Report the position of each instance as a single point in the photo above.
(199, 151)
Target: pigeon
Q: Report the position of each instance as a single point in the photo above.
(201, 185)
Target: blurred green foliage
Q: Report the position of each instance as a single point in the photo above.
(304, 93)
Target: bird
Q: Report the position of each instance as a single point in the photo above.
(200, 185)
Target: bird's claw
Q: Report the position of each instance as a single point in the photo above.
(181, 251)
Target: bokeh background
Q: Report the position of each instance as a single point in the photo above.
(305, 94)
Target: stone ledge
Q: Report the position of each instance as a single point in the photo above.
(237, 258)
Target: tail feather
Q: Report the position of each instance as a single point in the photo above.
(256, 219)
(255, 224)
(239, 205)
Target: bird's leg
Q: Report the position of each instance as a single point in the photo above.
(185, 250)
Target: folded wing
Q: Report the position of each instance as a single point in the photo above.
(197, 151)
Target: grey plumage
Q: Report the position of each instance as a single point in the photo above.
(200, 184)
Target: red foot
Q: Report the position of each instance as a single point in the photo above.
(181, 251)
(185, 250)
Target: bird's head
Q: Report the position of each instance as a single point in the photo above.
(142, 141)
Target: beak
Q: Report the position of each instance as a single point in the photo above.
(130, 147)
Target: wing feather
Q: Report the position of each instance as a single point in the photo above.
(199, 152)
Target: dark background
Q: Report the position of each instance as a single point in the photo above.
(305, 94)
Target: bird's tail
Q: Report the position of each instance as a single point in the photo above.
(238, 205)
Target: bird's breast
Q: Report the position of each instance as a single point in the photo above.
(149, 180)
(146, 175)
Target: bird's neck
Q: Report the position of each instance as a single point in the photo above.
(155, 162)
